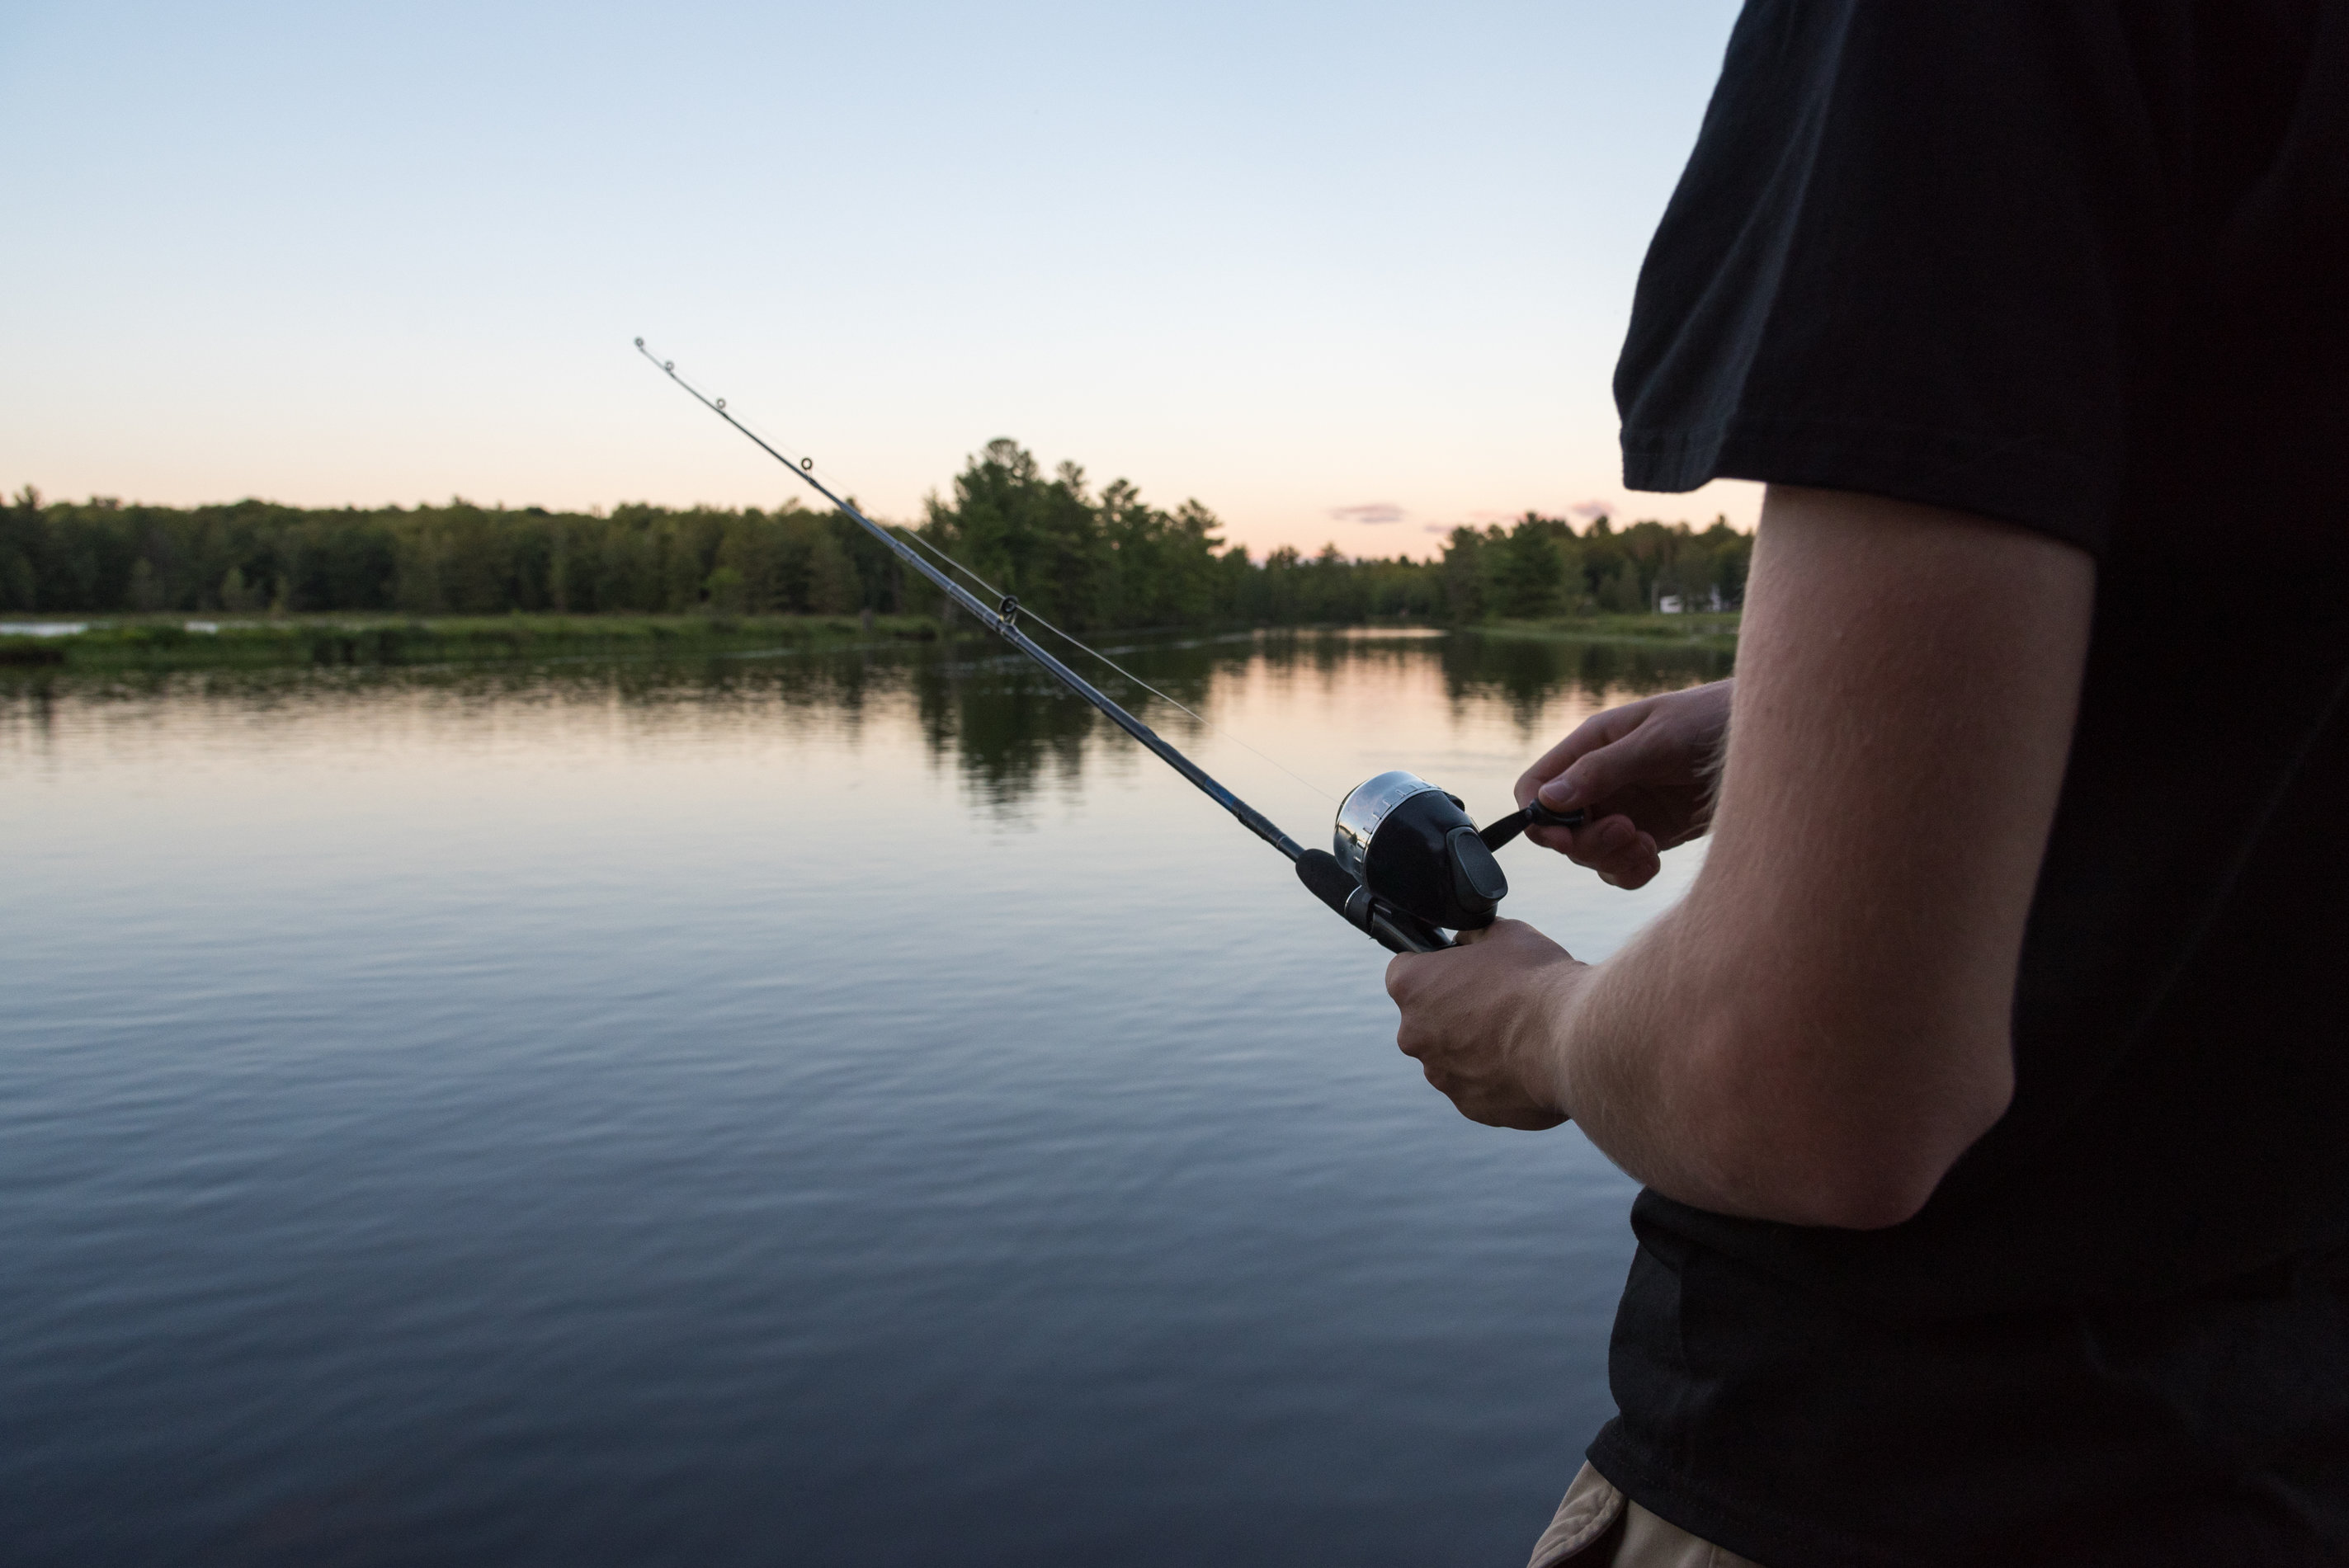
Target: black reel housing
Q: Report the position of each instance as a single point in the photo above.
(1416, 849)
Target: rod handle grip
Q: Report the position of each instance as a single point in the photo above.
(1334, 885)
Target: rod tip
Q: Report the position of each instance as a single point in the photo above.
(641, 343)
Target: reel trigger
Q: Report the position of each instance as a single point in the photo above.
(1501, 830)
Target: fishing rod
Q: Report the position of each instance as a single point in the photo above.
(1408, 861)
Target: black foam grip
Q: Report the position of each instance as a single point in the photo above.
(1400, 932)
(1325, 879)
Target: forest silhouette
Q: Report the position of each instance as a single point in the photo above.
(1083, 558)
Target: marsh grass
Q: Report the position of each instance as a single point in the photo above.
(176, 642)
(1715, 631)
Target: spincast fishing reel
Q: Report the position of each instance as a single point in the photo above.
(1410, 863)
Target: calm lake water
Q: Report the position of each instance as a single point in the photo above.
(843, 1110)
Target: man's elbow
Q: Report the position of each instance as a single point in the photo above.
(1857, 1142)
(1859, 1194)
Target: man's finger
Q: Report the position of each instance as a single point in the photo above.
(1594, 844)
(1615, 847)
(1400, 977)
(1633, 866)
(1595, 733)
(1603, 773)
(1631, 874)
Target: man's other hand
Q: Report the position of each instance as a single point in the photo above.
(1483, 1019)
(1643, 773)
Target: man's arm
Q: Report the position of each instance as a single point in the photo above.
(1821, 1027)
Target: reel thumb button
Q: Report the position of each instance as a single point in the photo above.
(1476, 875)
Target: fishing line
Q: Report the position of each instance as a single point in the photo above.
(1026, 615)
(913, 537)
(1268, 760)
(1203, 720)
(1410, 863)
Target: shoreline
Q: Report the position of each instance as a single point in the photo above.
(31, 643)
(181, 641)
(1714, 631)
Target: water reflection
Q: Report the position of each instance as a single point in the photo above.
(846, 1109)
(983, 709)
(1530, 674)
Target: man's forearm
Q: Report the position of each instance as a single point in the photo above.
(1819, 1029)
(1671, 1063)
(1625, 1071)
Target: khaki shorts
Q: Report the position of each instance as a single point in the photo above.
(1599, 1527)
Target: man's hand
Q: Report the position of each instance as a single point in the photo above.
(1644, 772)
(1483, 1021)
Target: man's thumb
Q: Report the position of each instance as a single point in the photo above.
(1579, 785)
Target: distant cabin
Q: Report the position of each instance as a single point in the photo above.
(1673, 605)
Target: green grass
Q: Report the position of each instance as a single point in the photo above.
(165, 642)
(159, 642)
(1705, 629)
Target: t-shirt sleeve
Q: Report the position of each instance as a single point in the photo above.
(1920, 250)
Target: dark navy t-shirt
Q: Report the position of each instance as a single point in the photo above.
(2082, 267)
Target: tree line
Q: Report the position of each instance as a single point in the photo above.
(1081, 557)
(1539, 567)
(103, 556)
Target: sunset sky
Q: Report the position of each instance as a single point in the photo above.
(1351, 273)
